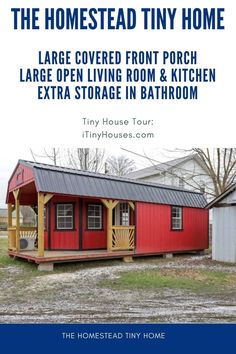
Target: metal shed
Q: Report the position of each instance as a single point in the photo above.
(224, 226)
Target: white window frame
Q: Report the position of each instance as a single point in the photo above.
(177, 220)
(124, 217)
(95, 217)
(71, 217)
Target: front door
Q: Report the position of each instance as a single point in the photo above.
(94, 228)
(122, 214)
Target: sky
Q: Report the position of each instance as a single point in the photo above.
(8, 164)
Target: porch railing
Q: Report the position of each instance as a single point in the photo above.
(123, 237)
(25, 232)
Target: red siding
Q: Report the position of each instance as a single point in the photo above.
(132, 218)
(153, 229)
(154, 234)
(46, 246)
(70, 239)
(21, 176)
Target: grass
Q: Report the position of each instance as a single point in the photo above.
(189, 279)
(3, 245)
(6, 261)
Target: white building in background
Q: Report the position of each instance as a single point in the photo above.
(185, 172)
(224, 226)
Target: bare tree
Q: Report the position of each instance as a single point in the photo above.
(86, 159)
(79, 158)
(53, 155)
(120, 165)
(220, 165)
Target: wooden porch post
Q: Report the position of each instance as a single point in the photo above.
(110, 206)
(109, 226)
(42, 200)
(17, 203)
(9, 219)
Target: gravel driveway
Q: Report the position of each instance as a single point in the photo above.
(77, 297)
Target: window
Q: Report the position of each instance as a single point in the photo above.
(176, 218)
(94, 216)
(124, 214)
(65, 216)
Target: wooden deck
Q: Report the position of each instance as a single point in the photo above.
(69, 256)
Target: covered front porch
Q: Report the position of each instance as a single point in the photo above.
(120, 239)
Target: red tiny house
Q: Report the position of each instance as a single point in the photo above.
(80, 211)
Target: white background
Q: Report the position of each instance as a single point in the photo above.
(208, 121)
